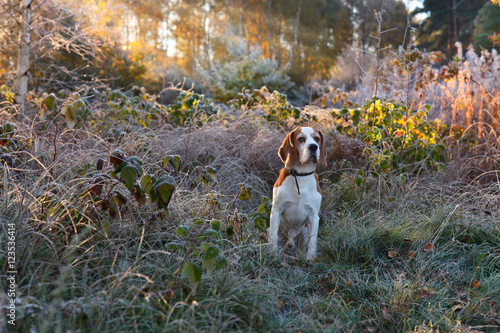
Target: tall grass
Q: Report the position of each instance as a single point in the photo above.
(375, 271)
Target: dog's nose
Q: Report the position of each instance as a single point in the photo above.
(313, 147)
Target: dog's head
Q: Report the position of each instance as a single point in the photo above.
(304, 145)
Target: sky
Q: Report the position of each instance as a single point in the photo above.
(412, 4)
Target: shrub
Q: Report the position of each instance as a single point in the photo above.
(275, 106)
(466, 91)
(398, 139)
(190, 106)
(244, 67)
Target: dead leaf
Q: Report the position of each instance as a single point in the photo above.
(280, 304)
(411, 254)
(407, 240)
(170, 294)
(422, 293)
(385, 313)
(476, 284)
(392, 254)
(429, 247)
(349, 283)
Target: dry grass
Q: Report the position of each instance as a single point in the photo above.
(114, 275)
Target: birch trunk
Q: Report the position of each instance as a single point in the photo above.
(193, 41)
(270, 27)
(295, 34)
(23, 59)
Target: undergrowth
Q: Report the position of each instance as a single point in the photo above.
(397, 252)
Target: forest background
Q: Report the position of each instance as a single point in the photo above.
(223, 46)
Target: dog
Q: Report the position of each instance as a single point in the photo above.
(296, 193)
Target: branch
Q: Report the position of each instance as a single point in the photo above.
(8, 12)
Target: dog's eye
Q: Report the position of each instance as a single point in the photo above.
(302, 140)
(316, 139)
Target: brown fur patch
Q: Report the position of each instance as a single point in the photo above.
(288, 150)
(283, 174)
(317, 183)
(322, 148)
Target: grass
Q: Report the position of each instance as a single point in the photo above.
(374, 273)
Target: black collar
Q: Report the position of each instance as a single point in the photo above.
(296, 174)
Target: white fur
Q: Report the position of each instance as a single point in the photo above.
(298, 214)
(304, 153)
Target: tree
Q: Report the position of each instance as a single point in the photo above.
(487, 23)
(43, 30)
(23, 58)
(449, 21)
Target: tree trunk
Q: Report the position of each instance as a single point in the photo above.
(450, 28)
(279, 42)
(270, 27)
(23, 59)
(455, 22)
(241, 18)
(295, 34)
(193, 40)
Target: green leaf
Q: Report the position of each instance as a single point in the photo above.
(212, 252)
(199, 221)
(210, 233)
(137, 162)
(181, 230)
(146, 183)
(117, 171)
(260, 223)
(204, 246)
(128, 175)
(210, 171)
(177, 246)
(427, 107)
(215, 224)
(48, 104)
(358, 181)
(222, 263)
(9, 127)
(118, 199)
(174, 160)
(193, 272)
(152, 195)
(68, 111)
(209, 264)
(164, 191)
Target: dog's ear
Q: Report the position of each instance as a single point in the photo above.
(322, 149)
(288, 151)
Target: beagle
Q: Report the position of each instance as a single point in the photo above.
(296, 193)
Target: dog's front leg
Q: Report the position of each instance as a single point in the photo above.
(274, 225)
(312, 230)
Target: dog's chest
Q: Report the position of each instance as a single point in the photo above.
(296, 209)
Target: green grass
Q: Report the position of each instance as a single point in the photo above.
(115, 275)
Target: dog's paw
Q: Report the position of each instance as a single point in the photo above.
(311, 256)
(273, 248)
